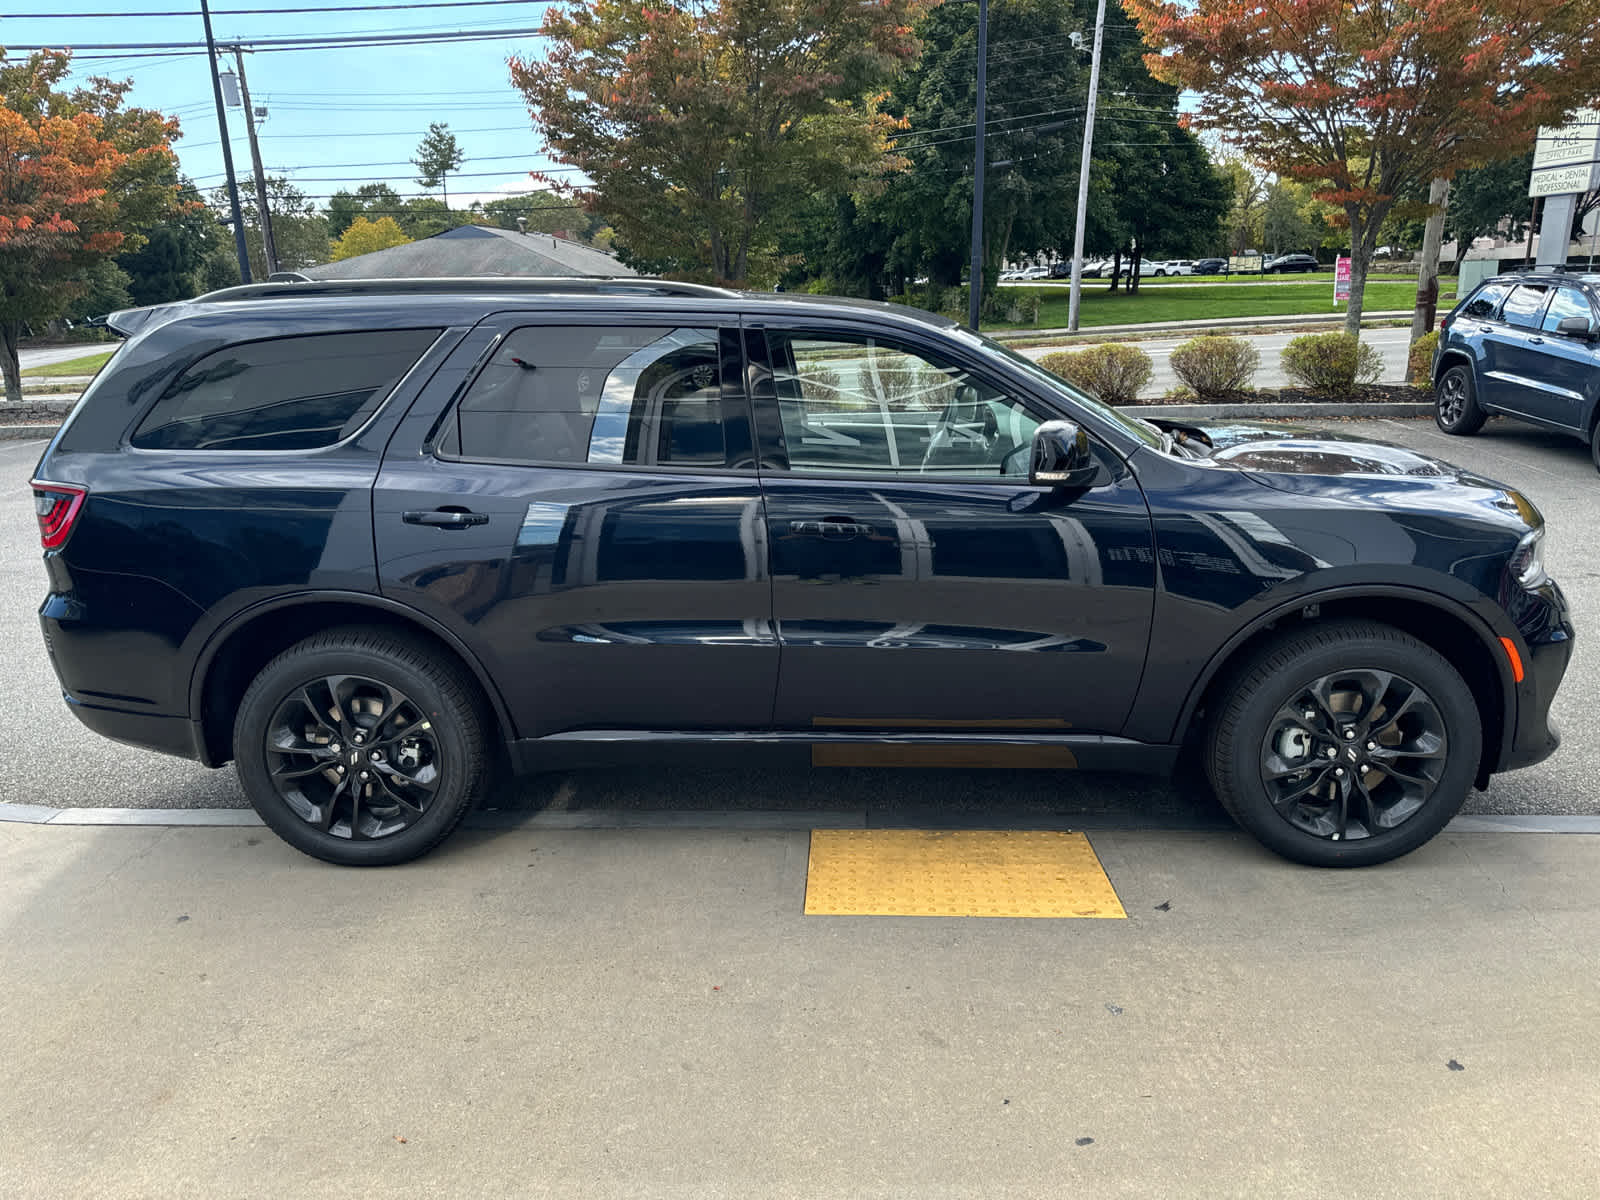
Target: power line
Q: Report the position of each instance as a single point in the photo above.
(268, 42)
(271, 12)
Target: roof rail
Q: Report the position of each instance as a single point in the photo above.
(570, 285)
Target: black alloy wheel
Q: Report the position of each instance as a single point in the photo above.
(1594, 445)
(1344, 744)
(1455, 406)
(361, 747)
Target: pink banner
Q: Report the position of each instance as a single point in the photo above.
(1341, 280)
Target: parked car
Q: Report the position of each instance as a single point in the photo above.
(1147, 268)
(368, 538)
(1210, 266)
(1013, 274)
(1524, 346)
(1285, 264)
(1061, 269)
(1036, 272)
(1174, 266)
(1094, 268)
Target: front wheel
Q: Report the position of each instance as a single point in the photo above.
(1347, 744)
(1455, 407)
(361, 747)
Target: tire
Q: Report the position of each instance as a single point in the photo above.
(1272, 769)
(1594, 445)
(1455, 403)
(361, 704)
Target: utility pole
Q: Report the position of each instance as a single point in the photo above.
(1083, 169)
(269, 248)
(975, 286)
(1428, 271)
(227, 151)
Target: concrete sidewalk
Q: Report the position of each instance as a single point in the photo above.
(647, 1013)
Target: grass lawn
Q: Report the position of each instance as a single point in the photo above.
(87, 365)
(1208, 303)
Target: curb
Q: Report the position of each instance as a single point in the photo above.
(598, 818)
(12, 433)
(1156, 328)
(1299, 410)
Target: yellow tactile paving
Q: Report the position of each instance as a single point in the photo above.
(956, 873)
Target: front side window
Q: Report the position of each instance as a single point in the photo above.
(1565, 304)
(1525, 305)
(1486, 301)
(293, 393)
(861, 405)
(608, 395)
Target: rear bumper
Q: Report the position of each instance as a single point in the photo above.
(1546, 628)
(148, 731)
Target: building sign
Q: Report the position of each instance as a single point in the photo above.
(1245, 264)
(1565, 145)
(1341, 279)
(1564, 181)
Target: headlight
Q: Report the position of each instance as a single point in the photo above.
(1527, 561)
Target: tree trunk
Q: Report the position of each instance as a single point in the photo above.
(1361, 232)
(1133, 267)
(1116, 269)
(1428, 273)
(10, 333)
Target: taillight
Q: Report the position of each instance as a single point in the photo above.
(57, 506)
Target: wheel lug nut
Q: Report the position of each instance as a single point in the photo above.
(334, 746)
(1372, 745)
(340, 769)
(364, 774)
(1349, 733)
(1331, 752)
(376, 756)
(1338, 771)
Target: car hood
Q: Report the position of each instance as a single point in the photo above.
(1294, 458)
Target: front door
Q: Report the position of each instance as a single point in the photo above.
(919, 582)
(587, 518)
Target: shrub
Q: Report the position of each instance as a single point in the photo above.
(1331, 362)
(1115, 373)
(1216, 366)
(1419, 366)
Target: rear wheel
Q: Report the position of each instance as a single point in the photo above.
(360, 747)
(1594, 445)
(1455, 406)
(1344, 745)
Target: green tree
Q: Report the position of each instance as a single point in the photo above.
(1248, 187)
(1289, 219)
(1487, 199)
(438, 155)
(168, 266)
(544, 212)
(366, 237)
(75, 169)
(368, 200)
(704, 128)
(298, 229)
(1170, 199)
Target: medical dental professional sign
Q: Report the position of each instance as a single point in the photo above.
(1566, 158)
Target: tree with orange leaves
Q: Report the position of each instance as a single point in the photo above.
(1370, 100)
(76, 170)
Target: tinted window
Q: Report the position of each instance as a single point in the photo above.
(295, 393)
(1568, 302)
(1524, 305)
(568, 394)
(864, 406)
(1488, 299)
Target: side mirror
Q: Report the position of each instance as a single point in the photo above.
(1061, 457)
(1578, 327)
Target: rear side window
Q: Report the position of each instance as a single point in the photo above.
(625, 395)
(293, 393)
(1488, 299)
(1525, 306)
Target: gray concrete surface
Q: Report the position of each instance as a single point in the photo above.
(1393, 344)
(49, 759)
(646, 1013)
(43, 356)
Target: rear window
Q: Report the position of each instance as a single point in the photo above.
(293, 393)
(1525, 306)
(1487, 299)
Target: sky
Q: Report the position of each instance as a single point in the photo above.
(327, 106)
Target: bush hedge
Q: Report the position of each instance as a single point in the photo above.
(1214, 367)
(1331, 363)
(1115, 373)
(1419, 364)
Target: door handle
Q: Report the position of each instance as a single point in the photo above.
(446, 518)
(830, 527)
(1536, 341)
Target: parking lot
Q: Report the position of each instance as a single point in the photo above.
(610, 987)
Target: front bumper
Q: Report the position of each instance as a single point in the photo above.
(1545, 625)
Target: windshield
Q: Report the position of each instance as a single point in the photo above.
(1142, 430)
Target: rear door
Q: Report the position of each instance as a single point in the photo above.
(1513, 349)
(586, 516)
(1562, 375)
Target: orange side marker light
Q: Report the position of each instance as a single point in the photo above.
(1516, 659)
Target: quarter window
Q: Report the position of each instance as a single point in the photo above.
(616, 395)
(1525, 305)
(859, 405)
(1565, 304)
(294, 393)
(1487, 300)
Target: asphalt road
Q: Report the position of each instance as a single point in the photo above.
(44, 356)
(1393, 344)
(49, 759)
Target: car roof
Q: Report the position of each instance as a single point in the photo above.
(1546, 275)
(491, 293)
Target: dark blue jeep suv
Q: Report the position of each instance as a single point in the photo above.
(369, 539)
(1525, 346)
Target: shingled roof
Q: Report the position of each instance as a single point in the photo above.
(475, 250)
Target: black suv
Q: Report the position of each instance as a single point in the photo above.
(370, 539)
(1525, 346)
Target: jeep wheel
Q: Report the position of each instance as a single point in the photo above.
(1344, 745)
(1455, 408)
(1594, 445)
(360, 747)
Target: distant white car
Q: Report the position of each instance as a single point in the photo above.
(1036, 273)
(1174, 266)
(1009, 276)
